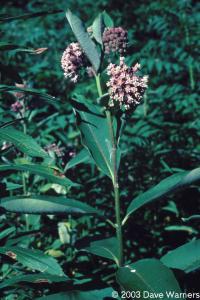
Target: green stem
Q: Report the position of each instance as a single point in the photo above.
(98, 83)
(24, 183)
(190, 67)
(114, 177)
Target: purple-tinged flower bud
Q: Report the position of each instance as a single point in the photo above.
(126, 88)
(72, 61)
(115, 39)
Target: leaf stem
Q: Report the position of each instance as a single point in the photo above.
(114, 177)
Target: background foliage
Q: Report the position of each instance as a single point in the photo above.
(161, 138)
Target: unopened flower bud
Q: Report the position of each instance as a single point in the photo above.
(115, 40)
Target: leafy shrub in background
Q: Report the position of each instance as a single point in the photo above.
(87, 115)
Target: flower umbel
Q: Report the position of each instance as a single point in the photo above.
(126, 88)
(115, 40)
(72, 60)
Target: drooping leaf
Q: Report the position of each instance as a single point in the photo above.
(107, 248)
(84, 39)
(165, 187)
(29, 15)
(97, 29)
(23, 142)
(78, 295)
(46, 205)
(82, 157)
(185, 257)
(52, 174)
(33, 278)
(148, 276)
(108, 21)
(95, 136)
(33, 259)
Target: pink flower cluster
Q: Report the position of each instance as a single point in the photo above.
(72, 60)
(115, 39)
(126, 88)
(59, 151)
(17, 106)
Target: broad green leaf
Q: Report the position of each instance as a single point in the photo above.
(78, 295)
(29, 15)
(82, 157)
(185, 257)
(148, 276)
(84, 39)
(33, 278)
(95, 136)
(107, 248)
(46, 204)
(33, 259)
(97, 29)
(50, 173)
(165, 187)
(34, 92)
(108, 21)
(22, 142)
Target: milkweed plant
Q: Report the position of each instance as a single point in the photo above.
(98, 53)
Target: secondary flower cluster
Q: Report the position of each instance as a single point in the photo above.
(18, 106)
(115, 40)
(126, 88)
(59, 151)
(72, 61)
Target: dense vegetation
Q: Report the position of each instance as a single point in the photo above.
(51, 244)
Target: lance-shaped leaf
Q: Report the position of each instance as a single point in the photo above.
(84, 39)
(29, 15)
(6, 232)
(5, 46)
(107, 248)
(148, 276)
(46, 205)
(23, 142)
(34, 92)
(78, 295)
(33, 278)
(165, 187)
(95, 135)
(185, 257)
(33, 259)
(52, 174)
